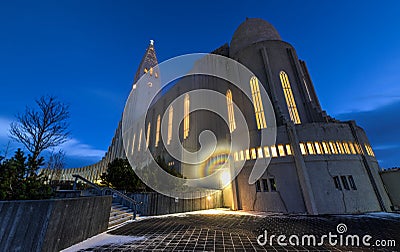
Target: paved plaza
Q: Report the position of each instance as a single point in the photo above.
(223, 230)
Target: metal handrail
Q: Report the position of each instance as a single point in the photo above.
(103, 191)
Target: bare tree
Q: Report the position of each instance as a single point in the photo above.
(55, 164)
(42, 128)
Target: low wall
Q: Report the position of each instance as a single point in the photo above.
(391, 180)
(157, 204)
(51, 225)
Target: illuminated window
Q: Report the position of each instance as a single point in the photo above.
(241, 155)
(247, 154)
(140, 139)
(372, 152)
(346, 148)
(158, 130)
(333, 147)
(303, 149)
(358, 148)
(259, 152)
(258, 105)
(291, 104)
(253, 153)
(274, 153)
(340, 147)
(310, 148)
(288, 149)
(186, 117)
(352, 149)
(133, 143)
(148, 136)
(281, 150)
(170, 116)
(318, 148)
(326, 148)
(266, 151)
(236, 156)
(231, 113)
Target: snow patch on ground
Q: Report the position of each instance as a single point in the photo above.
(102, 239)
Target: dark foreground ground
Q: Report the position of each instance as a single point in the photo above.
(230, 231)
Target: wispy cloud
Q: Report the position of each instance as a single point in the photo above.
(4, 127)
(74, 148)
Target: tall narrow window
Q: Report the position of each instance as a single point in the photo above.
(258, 105)
(158, 130)
(186, 117)
(231, 113)
(140, 140)
(291, 104)
(337, 183)
(133, 143)
(170, 116)
(258, 186)
(344, 182)
(148, 136)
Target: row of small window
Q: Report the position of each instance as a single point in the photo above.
(268, 185)
(308, 148)
(346, 182)
(332, 147)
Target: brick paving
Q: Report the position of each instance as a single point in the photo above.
(226, 231)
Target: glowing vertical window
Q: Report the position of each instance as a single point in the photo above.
(170, 116)
(148, 136)
(266, 151)
(291, 104)
(318, 148)
(236, 156)
(303, 149)
(158, 130)
(346, 148)
(358, 148)
(186, 117)
(140, 139)
(260, 152)
(310, 148)
(339, 147)
(247, 152)
(326, 148)
(258, 105)
(274, 153)
(288, 149)
(231, 112)
(333, 147)
(253, 153)
(352, 149)
(133, 143)
(281, 150)
(241, 155)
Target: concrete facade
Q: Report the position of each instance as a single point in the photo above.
(391, 180)
(319, 165)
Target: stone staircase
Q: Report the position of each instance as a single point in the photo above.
(119, 214)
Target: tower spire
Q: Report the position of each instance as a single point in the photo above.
(149, 60)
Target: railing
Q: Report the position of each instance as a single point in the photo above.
(126, 201)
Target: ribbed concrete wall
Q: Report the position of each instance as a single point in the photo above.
(157, 204)
(51, 225)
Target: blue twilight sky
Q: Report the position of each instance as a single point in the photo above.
(87, 52)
